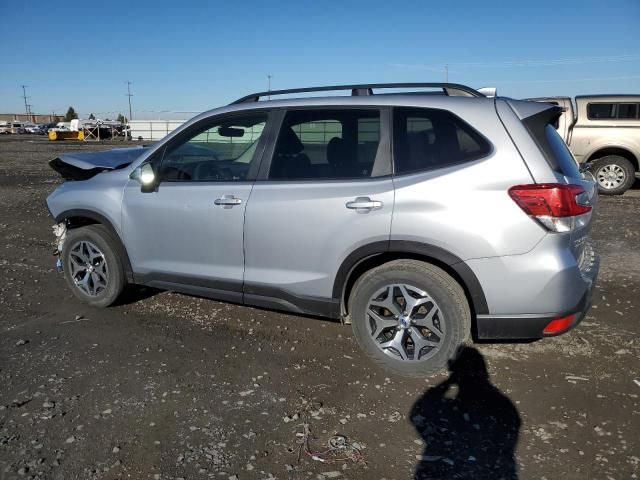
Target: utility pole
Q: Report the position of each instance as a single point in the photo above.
(129, 94)
(24, 96)
(269, 84)
(446, 73)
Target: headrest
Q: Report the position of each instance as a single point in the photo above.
(289, 143)
(335, 151)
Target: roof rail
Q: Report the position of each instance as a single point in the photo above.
(451, 89)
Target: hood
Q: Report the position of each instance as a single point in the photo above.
(84, 165)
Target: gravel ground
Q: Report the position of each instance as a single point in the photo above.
(170, 386)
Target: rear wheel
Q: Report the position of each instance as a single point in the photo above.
(92, 268)
(614, 174)
(409, 316)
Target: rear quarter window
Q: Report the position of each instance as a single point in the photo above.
(426, 139)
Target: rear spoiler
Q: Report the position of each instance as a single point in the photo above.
(489, 92)
(526, 109)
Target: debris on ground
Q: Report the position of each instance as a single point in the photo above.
(338, 449)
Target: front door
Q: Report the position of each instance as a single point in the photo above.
(327, 191)
(189, 230)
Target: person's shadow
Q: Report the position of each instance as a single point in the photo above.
(470, 429)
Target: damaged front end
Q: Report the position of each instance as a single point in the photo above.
(84, 165)
(60, 232)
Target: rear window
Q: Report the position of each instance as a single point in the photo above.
(555, 150)
(425, 139)
(565, 161)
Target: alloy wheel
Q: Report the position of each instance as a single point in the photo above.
(88, 268)
(405, 322)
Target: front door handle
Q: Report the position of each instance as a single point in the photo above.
(364, 203)
(228, 200)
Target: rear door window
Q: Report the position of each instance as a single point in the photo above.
(425, 139)
(326, 145)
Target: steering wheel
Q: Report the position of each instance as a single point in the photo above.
(208, 170)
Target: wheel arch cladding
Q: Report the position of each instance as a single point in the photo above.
(372, 255)
(79, 218)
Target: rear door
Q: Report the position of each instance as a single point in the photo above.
(325, 191)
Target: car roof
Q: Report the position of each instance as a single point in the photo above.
(378, 100)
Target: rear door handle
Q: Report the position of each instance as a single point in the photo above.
(364, 203)
(227, 200)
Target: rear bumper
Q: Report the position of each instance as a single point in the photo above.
(522, 327)
(531, 326)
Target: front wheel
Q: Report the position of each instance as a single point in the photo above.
(91, 266)
(409, 317)
(614, 174)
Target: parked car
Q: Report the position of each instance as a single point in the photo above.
(420, 219)
(5, 127)
(31, 128)
(45, 127)
(17, 127)
(603, 135)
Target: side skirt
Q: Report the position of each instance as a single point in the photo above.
(263, 296)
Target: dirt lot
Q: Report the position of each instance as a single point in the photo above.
(170, 386)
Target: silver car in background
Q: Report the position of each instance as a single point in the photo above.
(422, 219)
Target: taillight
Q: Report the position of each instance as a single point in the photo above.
(554, 205)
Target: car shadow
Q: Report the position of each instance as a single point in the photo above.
(470, 429)
(135, 293)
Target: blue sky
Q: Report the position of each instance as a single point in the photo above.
(190, 56)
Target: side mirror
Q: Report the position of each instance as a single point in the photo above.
(145, 176)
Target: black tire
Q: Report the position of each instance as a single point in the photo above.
(441, 287)
(99, 236)
(599, 166)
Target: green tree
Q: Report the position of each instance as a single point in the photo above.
(121, 118)
(71, 114)
(91, 116)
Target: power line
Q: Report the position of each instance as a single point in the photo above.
(129, 94)
(528, 62)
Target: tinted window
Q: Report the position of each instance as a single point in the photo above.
(556, 122)
(326, 144)
(565, 162)
(220, 152)
(628, 111)
(608, 111)
(600, 111)
(427, 138)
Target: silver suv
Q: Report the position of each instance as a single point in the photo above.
(423, 218)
